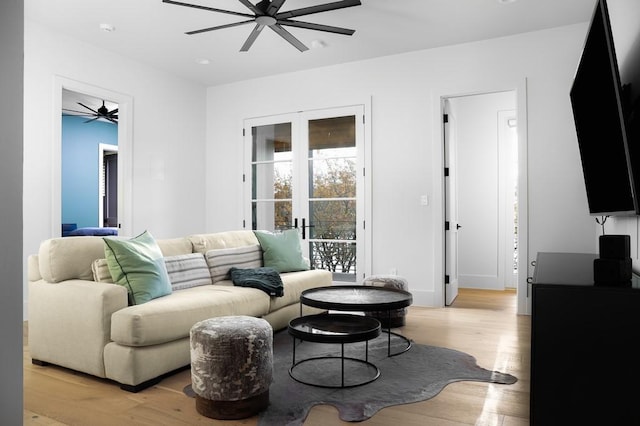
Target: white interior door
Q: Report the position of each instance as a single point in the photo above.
(302, 172)
(451, 206)
(482, 183)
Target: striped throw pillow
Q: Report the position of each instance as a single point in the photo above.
(187, 270)
(101, 273)
(221, 260)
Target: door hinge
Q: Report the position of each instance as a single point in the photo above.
(244, 177)
(446, 279)
(446, 172)
(243, 133)
(363, 120)
(364, 172)
(446, 225)
(364, 223)
(244, 223)
(445, 118)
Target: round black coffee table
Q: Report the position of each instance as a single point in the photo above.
(360, 298)
(335, 328)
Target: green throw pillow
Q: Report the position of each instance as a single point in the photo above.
(282, 251)
(138, 265)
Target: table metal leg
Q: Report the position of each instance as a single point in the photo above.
(342, 345)
(389, 333)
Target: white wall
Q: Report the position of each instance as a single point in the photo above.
(168, 137)
(404, 92)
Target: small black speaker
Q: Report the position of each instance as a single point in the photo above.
(612, 272)
(615, 247)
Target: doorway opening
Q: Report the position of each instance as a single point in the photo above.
(481, 192)
(116, 104)
(89, 128)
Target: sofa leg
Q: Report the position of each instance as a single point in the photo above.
(151, 382)
(141, 386)
(38, 362)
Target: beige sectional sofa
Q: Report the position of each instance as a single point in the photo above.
(80, 320)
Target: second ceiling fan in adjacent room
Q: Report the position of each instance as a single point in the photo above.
(101, 113)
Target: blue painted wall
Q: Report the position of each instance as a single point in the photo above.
(80, 170)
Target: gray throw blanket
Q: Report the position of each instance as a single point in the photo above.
(264, 278)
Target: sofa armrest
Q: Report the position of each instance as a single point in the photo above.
(70, 322)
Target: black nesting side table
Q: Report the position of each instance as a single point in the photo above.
(361, 298)
(335, 328)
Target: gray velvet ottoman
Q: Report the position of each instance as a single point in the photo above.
(396, 318)
(231, 366)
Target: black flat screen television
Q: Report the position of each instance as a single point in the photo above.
(605, 101)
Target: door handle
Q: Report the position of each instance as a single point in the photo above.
(458, 226)
(304, 228)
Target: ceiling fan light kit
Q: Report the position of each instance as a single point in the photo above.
(267, 13)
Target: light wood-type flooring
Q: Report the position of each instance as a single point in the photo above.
(482, 323)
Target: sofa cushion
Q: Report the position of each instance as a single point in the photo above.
(174, 246)
(202, 243)
(281, 251)
(221, 260)
(69, 258)
(187, 270)
(138, 265)
(170, 318)
(297, 282)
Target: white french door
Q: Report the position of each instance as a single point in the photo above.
(301, 171)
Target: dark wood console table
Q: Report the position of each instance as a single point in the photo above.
(584, 369)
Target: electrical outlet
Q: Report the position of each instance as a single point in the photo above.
(424, 200)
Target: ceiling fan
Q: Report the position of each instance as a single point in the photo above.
(102, 112)
(266, 14)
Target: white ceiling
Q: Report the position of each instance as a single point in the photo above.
(152, 32)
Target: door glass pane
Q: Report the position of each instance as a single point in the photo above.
(278, 213)
(271, 180)
(271, 186)
(332, 195)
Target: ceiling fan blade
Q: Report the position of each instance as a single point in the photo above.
(211, 9)
(113, 111)
(93, 119)
(274, 7)
(111, 119)
(87, 113)
(219, 27)
(317, 9)
(289, 37)
(317, 27)
(90, 109)
(251, 7)
(252, 37)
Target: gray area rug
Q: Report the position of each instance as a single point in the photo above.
(416, 375)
